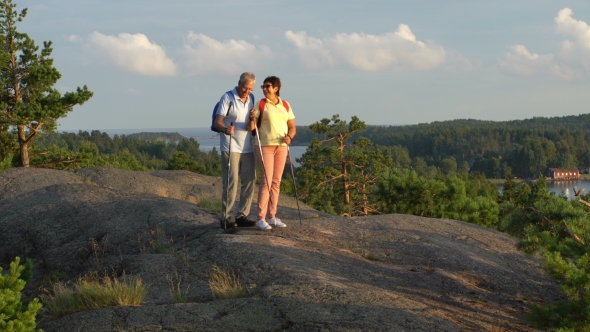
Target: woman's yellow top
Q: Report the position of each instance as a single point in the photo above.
(273, 126)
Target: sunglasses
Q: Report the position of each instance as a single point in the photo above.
(266, 86)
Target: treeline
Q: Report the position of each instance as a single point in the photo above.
(143, 151)
(528, 146)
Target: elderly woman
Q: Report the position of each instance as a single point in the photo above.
(276, 129)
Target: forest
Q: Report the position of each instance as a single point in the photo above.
(528, 146)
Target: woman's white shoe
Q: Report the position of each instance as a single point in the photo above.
(263, 225)
(276, 222)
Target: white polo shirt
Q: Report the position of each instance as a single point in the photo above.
(239, 114)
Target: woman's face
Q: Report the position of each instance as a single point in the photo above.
(269, 90)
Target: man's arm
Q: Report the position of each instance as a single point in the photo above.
(221, 127)
(224, 108)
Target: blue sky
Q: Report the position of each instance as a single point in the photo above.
(164, 64)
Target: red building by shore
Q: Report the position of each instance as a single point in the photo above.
(563, 173)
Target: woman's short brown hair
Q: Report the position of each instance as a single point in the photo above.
(275, 81)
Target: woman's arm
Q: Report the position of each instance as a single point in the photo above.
(292, 130)
(251, 125)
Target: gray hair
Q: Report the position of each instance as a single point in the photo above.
(247, 77)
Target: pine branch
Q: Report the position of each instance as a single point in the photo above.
(48, 165)
(331, 179)
(578, 194)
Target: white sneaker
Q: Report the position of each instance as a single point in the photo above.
(276, 222)
(263, 225)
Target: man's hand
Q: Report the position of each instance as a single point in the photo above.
(229, 130)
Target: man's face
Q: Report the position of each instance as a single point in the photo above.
(244, 89)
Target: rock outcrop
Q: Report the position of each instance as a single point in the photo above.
(379, 273)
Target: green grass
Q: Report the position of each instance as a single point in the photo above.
(93, 292)
(210, 205)
(225, 284)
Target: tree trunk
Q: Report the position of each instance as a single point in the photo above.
(345, 186)
(365, 200)
(24, 146)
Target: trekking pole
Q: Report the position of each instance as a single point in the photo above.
(294, 185)
(262, 158)
(227, 181)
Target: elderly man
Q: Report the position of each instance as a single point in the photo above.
(236, 148)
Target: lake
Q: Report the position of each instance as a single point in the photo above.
(567, 187)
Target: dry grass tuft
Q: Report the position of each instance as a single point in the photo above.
(157, 242)
(178, 294)
(93, 292)
(225, 284)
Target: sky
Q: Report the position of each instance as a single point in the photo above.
(165, 64)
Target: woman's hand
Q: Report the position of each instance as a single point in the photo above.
(287, 139)
(251, 125)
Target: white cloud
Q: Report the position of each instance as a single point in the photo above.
(463, 63)
(208, 56)
(399, 49)
(312, 51)
(578, 30)
(571, 62)
(73, 38)
(522, 62)
(576, 49)
(134, 53)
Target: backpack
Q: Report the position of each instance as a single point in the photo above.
(214, 115)
(261, 107)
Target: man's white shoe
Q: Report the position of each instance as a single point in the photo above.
(276, 222)
(263, 225)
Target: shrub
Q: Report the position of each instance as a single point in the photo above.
(13, 317)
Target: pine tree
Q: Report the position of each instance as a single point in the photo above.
(13, 317)
(337, 175)
(28, 100)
